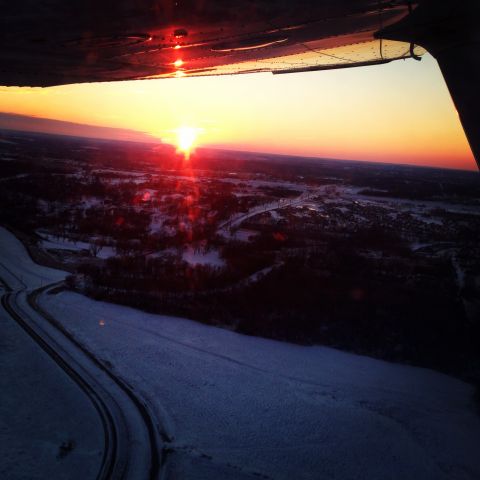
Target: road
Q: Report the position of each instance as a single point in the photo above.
(133, 439)
(234, 222)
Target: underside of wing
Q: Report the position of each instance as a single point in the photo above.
(58, 42)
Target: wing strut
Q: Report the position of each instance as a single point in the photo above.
(450, 32)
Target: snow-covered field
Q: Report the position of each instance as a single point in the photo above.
(40, 407)
(198, 257)
(418, 206)
(51, 242)
(240, 406)
(17, 268)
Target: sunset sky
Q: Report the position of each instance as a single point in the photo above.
(400, 112)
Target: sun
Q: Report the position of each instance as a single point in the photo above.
(186, 137)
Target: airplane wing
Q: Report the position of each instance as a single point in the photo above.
(55, 42)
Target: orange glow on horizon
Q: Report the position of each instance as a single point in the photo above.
(357, 114)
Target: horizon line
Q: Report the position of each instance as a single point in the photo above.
(139, 136)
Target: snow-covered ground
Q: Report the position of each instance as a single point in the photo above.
(17, 268)
(198, 257)
(56, 243)
(40, 407)
(419, 207)
(241, 406)
(156, 222)
(243, 234)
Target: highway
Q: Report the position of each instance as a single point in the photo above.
(133, 439)
(236, 221)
